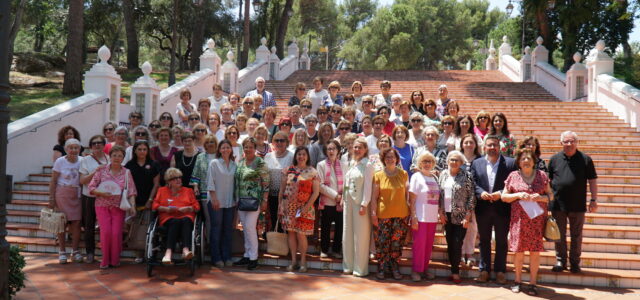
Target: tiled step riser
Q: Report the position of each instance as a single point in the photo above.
(629, 189)
(25, 207)
(562, 278)
(40, 178)
(610, 234)
(28, 196)
(617, 171)
(612, 221)
(618, 180)
(616, 198)
(32, 187)
(618, 210)
(30, 233)
(23, 219)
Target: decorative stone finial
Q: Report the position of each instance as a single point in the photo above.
(577, 57)
(263, 41)
(505, 39)
(211, 44)
(305, 50)
(274, 49)
(294, 40)
(539, 40)
(527, 50)
(146, 68)
(600, 45)
(104, 54)
(230, 55)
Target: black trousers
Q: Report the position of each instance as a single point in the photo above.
(89, 223)
(576, 223)
(273, 213)
(487, 221)
(179, 229)
(455, 238)
(330, 215)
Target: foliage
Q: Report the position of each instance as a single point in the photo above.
(16, 275)
(357, 12)
(627, 69)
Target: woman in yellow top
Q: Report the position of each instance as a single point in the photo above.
(389, 213)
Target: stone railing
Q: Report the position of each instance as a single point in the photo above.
(591, 82)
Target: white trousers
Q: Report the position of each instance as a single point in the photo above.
(355, 239)
(249, 220)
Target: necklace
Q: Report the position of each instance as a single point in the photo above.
(528, 179)
(190, 161)
(390, 173)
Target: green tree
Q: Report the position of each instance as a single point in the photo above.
(72, 84)
(357, 12)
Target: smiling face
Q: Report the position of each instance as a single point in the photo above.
(69, 134)
(225, 150)
(141, 151)
(116, 157)
(302, 158)
(359, 150)
(465, 125)
(469, 145)
(498, 123)
(454, 163)
(526, 162)
(72, 150)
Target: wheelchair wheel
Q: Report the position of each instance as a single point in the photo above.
(149, 270)
(202, 245)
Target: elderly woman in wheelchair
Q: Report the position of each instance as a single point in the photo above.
(176, 206)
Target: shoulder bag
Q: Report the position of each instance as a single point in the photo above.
(124, 202)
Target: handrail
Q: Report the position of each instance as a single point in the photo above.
(37, 120)
(552, 71)
(194, 78)
(250, 68)
(620, 86)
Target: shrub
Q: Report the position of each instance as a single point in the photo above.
(16, 275)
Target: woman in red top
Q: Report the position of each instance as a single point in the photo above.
(176, 206)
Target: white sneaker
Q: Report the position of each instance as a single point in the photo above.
(62, 258)
(324, 255)
(76, 256)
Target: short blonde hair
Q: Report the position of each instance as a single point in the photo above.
(263, 129)
(172, 173)
(334, 84)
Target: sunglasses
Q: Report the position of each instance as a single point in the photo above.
(447, 123)
(336, 111)
(154, 126)
(248, 103)
(141, 134)
(416, 120)
(174, 178)
(381, 124)
(483, 118)
(322, 113)
(109, 129)
(280, 140)
(286, 124)
(97, 143)
(345, 128)
(165, 118)
(200, 130)
(232, 132)
(430, 104)
(349, 99)
(305, 106)
(136, 117)
(367, 102)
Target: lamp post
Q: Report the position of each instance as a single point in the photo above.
(509, 10)
(5, 98)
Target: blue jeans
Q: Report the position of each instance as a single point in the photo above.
(221, 232)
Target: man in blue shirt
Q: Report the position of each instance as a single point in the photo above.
(267, 97)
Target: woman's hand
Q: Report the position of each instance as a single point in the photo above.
(52, 203)
(186, 209)
(374, 220)
(148, 204)
(264, 205)
(362, 211)
(132, 212)
(443, 219)
(215, 204)
(414, 224)
(465, 223)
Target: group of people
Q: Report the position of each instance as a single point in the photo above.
(377, 168)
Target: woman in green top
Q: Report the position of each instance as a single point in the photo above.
(199, 175)
(251, 182)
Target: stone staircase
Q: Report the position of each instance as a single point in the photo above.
(611, 244)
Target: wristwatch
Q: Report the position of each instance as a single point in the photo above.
(592, 200)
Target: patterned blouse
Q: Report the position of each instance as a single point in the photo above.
(251, 180)
(508, 145)
(440, 154)
(104, 174)
(463, 201)
(199, 175)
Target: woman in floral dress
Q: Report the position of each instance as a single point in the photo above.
(525, 186)
(297, 193)
(500, 128)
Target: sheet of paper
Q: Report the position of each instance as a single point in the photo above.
(532, 208)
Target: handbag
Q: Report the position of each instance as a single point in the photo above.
(248, 204)
(551, 230)
(277, 242)
(52, 221)
(124, 202)
(137, 235)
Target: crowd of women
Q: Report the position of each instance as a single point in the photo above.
(359, 175)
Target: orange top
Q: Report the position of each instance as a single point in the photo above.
(185, 198)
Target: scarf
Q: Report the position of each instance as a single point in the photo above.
(327, 180)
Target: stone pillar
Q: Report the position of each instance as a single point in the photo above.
(505, 49)
(305, 61)
(525, 65)
(274, 64)
(229, 74)
(210, 60)
(293, 49)
(103, 79)
(145, 95)
(598, 62)
(540, 54)
(490, 63)
(576, 80)
(262, 52)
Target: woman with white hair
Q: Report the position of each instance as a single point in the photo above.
(64, 191)
(457, 203)
(415, 134)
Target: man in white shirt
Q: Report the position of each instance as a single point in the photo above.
(317, 94)
(384, 98)
(217, 99)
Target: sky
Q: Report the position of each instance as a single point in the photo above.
(501, 4)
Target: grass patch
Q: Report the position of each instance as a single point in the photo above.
(27, 100)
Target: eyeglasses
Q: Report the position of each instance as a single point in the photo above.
(568, 142)
(335, 111)
(280, 140)
(141, 134)
(286, 124)
(97, 143)
(430, 104)
(200, 130)
(378, 123)
(301, 89)
(367, 102)
(447, 123)
(322, 113)
(349, 99)
(232, 132)
(174, 178)
(416, 120)
(305, 106)
(345, 128)
(194, 119)
(109, 129)
(121, 133)
(154, 126)
(483, 118)
(165, 118)
(135, 117)
(248, 103)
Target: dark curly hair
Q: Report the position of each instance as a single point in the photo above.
(63, 131)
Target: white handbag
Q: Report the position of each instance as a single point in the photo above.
(124, 201)
(52, 221)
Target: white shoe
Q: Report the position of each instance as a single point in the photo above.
(76, 256)
(62, 258)
(324, 255)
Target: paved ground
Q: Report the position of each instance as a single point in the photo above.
(49, 280)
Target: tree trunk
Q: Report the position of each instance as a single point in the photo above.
(174, 41)
(545, 31)
(15, 28)
(244, 58)
(73, 68)
(282, 28)
(133, 46)
(197, 37)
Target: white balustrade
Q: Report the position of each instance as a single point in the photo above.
(210, 59)
(551, 79)
(145, 96)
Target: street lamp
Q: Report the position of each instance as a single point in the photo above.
(509, 10)
(257, 4)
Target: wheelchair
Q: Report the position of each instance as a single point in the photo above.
(156, 240)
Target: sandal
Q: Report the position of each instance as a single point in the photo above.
(380, 275)
(76, 256)
(292, 267)
(532, 290)
(303, 268)
(397, 275)
(516, 287)
(62, 258)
